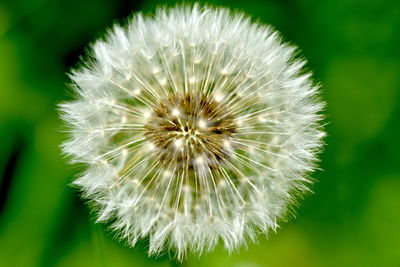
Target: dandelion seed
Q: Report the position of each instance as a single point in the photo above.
(211, 137)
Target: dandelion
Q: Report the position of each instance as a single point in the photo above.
(196, 127)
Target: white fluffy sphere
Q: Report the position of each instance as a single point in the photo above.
(196, 125)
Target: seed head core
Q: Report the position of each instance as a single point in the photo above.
(189, 128)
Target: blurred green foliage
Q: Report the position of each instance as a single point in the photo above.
(352, 219)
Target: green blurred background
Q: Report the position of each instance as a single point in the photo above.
(353, 219)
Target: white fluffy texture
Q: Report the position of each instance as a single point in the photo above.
(240, 64)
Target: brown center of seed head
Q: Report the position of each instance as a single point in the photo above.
(189, 130)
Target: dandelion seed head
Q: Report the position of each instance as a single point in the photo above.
(196, 126)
